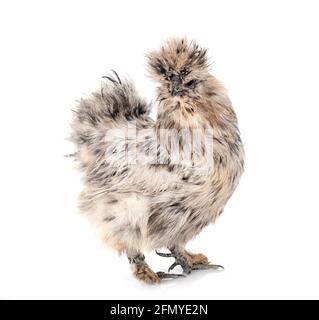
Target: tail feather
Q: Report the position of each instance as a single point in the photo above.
(117, 100)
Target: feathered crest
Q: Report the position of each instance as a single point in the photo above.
(177, 55)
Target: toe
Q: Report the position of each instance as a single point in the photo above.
(216, 267)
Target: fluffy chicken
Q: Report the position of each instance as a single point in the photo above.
(148, 184)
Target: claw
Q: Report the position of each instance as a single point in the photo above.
(207, 267)
(182, 263)
(164, 275)
(167, 255)
(175, 264)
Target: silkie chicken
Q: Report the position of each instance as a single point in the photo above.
(148, 184)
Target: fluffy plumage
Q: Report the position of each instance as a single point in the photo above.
(145, 189)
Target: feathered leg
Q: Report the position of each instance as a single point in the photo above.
(143, 272)
(189, 261)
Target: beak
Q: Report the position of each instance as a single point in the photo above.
(176, 86)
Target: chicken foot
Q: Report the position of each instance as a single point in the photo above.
(144, 273)
(189, 261)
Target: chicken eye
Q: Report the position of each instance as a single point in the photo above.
(191, 83)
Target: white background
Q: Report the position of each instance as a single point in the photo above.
(53, 52)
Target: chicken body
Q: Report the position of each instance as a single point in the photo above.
(147, 184)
